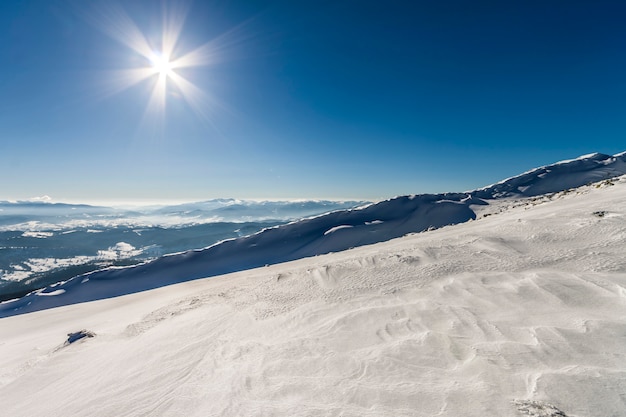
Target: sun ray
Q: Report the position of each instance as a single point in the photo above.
(215, 50)
(118, 81)
(200, 56)
(173, 23)
(113, 20)
(153, 116)
(197, 99)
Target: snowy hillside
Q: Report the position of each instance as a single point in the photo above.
(42, 242)
(518, 313)
(336, 231)
(557, 177)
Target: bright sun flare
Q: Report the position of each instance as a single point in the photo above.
(162, 59)
(161, 65)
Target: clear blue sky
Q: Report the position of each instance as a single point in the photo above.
(304, 99)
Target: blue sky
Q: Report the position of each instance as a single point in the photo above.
(308, 99)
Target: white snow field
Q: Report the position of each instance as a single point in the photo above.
(521, 312)
(335, 231)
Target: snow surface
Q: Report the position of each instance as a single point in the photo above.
(559, 176)
(332, 232)
(520, 312)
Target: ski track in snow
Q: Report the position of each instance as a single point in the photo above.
(521, 312)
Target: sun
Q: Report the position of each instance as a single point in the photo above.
(161, 58)
(161, 64)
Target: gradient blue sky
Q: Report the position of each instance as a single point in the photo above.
(307, 99)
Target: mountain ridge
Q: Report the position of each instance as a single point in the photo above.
(330, 232)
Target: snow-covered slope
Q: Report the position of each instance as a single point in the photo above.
(42, 243)
(557, 177)
(515, 314)
(332, 232)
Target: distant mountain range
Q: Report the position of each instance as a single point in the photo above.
(43, 242)
(24, 215)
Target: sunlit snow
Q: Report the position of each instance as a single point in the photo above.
(516, 312)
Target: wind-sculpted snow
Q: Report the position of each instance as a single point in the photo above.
(332, 232)
(520, 313)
